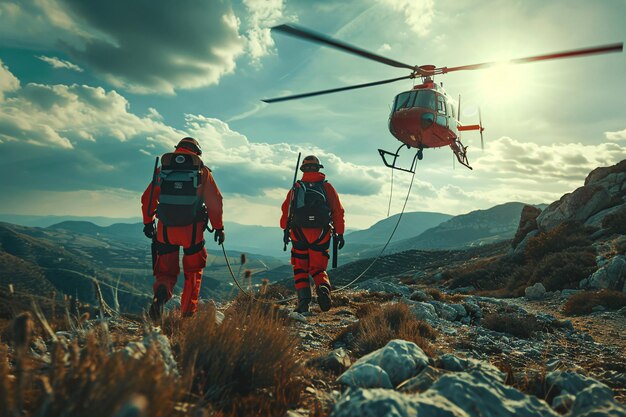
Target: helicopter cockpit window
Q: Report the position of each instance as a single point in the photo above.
(403, 100)
(441, 105)
(425, 98)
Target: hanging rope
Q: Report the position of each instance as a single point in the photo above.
(390, 194)
(232, 274)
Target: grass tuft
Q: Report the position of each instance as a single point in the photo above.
(584, 302)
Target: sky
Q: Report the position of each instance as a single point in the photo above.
(92, 92)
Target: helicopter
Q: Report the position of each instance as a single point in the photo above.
(425, 116)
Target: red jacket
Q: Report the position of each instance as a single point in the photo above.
(336, 209)
(208, 190)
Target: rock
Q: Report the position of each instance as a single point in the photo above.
(480, 395)
(463, 290)
(438, 276)
(380, 402)
(567, 293)
(622, 311)
(473, 308)
(563, 403)
(598, 308)
(294, 315)
(577, 206)
(164, 348)
(536, 292)
(443, 310)
(335, 361)
(422, 311)
(400, 359)
(375, 285)
(611, 276)
(612, 177)
(422, 381)
(596, 401)
(419, 295)
(453, 363)
(365, 375)
(527, 224)
(570, 382)
(460, 310)
(596, 219)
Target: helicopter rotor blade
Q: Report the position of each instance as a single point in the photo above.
(334, 90)
(603, 49)
(307, 34)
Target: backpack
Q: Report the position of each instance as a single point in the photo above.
(310, 205)
(179, 179)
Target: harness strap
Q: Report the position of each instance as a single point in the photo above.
(194, 248)
(165, 238)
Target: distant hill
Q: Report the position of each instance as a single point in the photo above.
(475, 228)
(411, 225)
(45, 221)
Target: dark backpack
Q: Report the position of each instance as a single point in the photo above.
(179, 179)
(310, 205)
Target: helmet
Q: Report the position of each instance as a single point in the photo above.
(190, 144)
(310, 164)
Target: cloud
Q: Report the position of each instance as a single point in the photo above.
(60, 63)
(418, 14)
(564, 163)
(616, 136)
(8, 81)
(68, 138)
(262, 15)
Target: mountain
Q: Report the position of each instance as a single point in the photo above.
(411, 225)
(45, 221)
(475, 228)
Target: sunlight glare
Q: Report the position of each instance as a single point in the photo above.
(504, 82)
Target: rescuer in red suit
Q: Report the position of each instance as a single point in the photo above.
(309, 253)
(168, 239)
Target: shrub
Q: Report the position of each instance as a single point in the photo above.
(87, 382)
(245, 366)
(584, 302)
(564, 236)
(564, 269)
(512, 323)
(380, 325)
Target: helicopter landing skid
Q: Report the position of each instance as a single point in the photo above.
(383, 153)
(460, 152)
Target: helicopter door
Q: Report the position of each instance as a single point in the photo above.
(440, 128)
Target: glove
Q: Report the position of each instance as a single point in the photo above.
(340, 241)
(149, 230)
(219, 236)
(286, 237)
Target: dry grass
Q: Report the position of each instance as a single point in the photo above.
(245, 366)
(512, 323)
(380, 324)
(584, 302)
(437, 295)
(85, 382)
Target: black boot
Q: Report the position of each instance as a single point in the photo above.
(304, 298)
(323, 297)
(159, 300)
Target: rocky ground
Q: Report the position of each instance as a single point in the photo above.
(592, 345)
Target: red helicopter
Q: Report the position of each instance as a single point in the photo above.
(425, 116)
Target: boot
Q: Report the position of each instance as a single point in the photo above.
(323, 297)
(159, 300)
(304, 298)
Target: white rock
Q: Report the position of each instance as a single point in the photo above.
(365, 375)
(400, 359)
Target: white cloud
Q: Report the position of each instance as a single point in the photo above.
(418, 14)
(562, 163)
(60, 63)
(8, 81)
(616, 136)
(262, 15)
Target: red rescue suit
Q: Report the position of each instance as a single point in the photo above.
(309, 253)
(190, 237)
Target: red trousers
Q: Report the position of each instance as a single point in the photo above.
(309, 256)
(167, 266)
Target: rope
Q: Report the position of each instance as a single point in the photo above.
(232, 274)
(386, 244)
(390, 194)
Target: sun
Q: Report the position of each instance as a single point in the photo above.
(505, 83)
